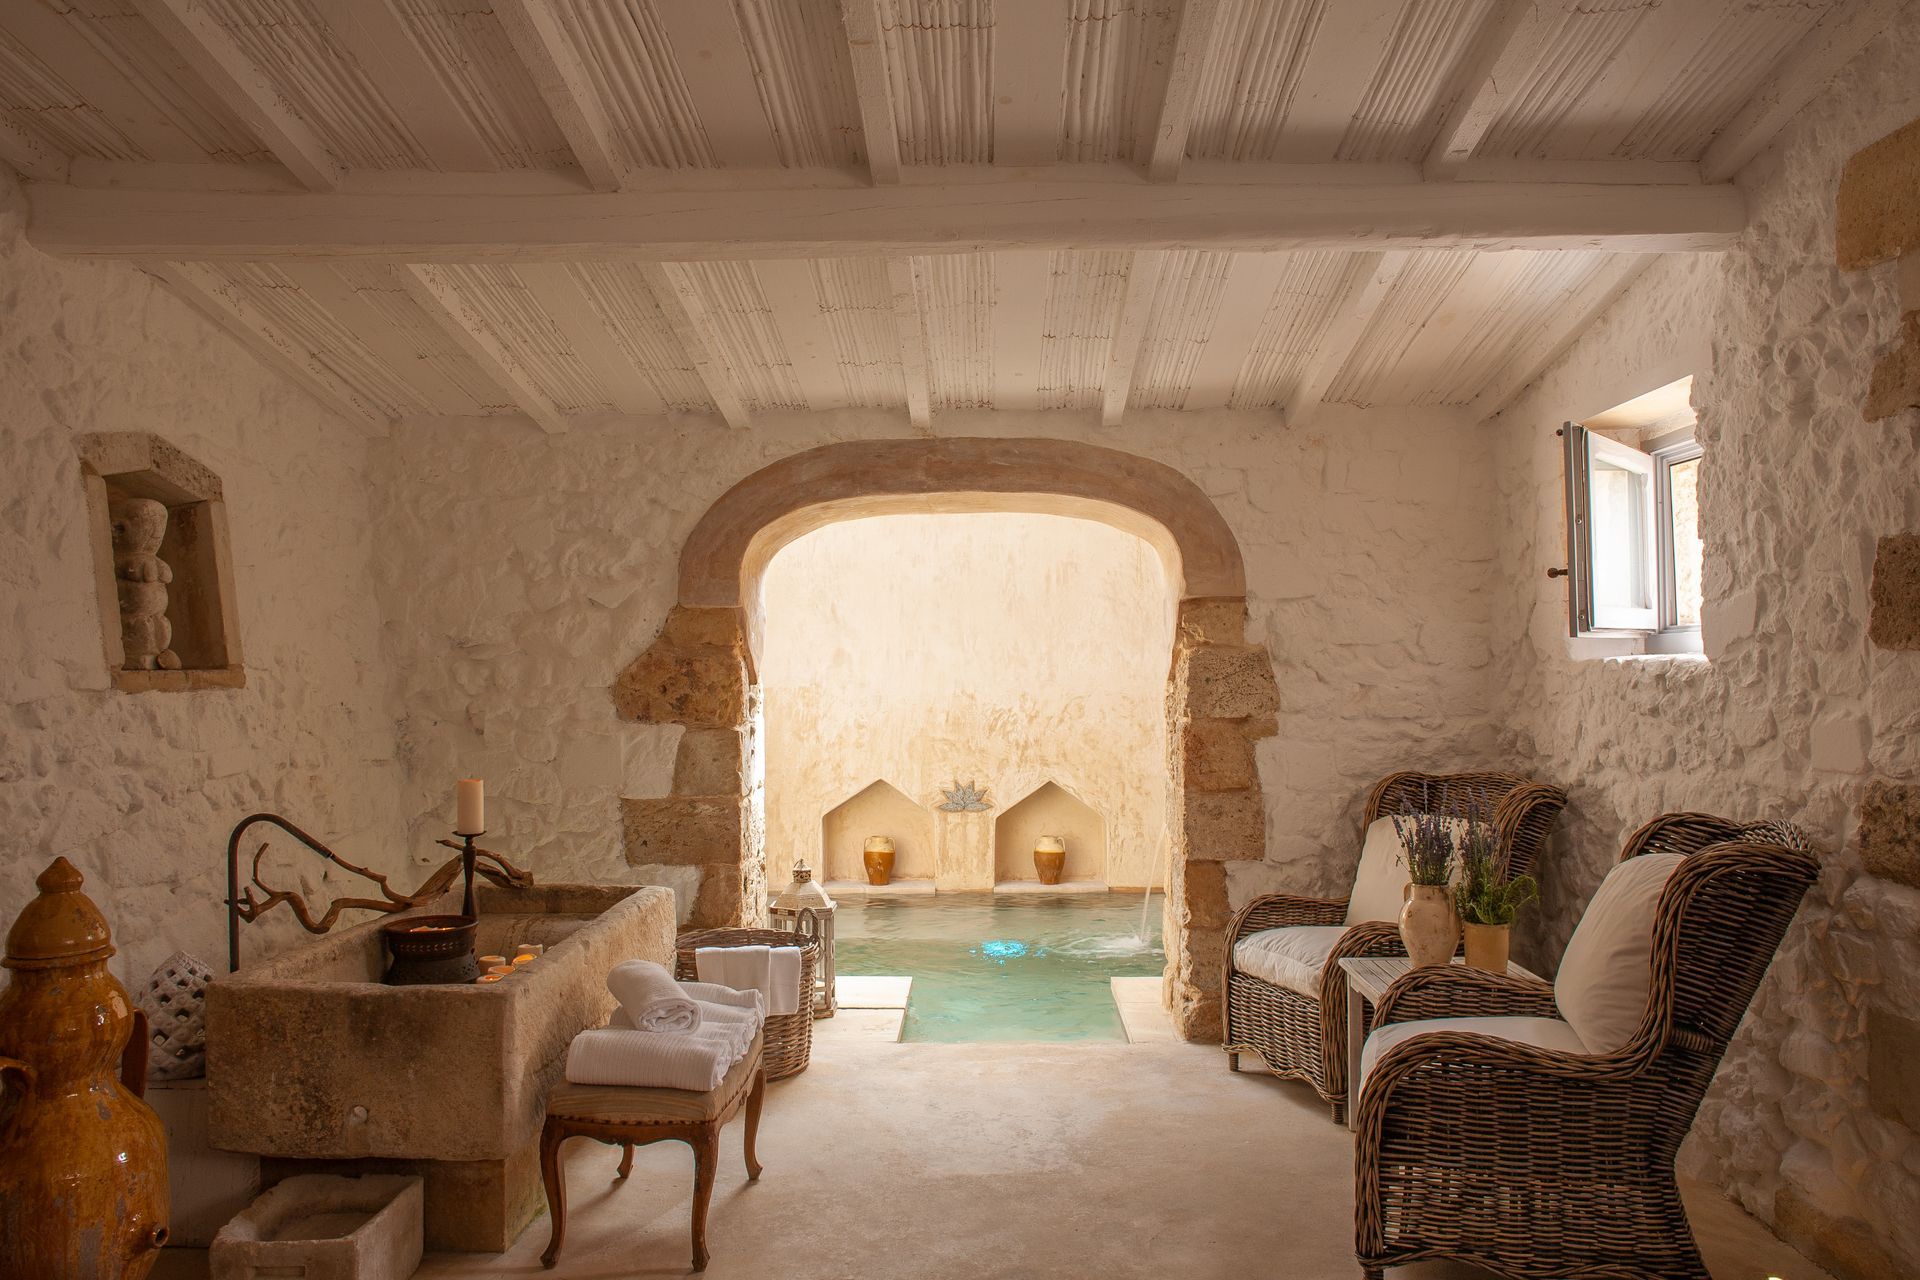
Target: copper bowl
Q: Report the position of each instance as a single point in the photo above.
(431, 949)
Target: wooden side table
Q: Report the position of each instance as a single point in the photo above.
(1368, 978)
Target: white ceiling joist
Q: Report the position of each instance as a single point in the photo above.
(706, 41)
(1029, 66)
(193, 33)
(1130, 328)
(223, 302)
(867, 50)
(1580, 309)
(1022, 278)
(1166, 147)
(445, 304)
(555, 68)
(911, 327)
(787, 285)
(560, 295)
(1368, 284)
(686, 314)
(376, 37)
(1842, 33)
(1050, 213)
(1515, 35)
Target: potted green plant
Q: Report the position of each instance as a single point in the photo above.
(1486, 900)
(1428, 926)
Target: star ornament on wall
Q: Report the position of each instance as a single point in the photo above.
(970, 798)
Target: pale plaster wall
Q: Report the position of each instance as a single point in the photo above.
(1793, 708)
(519, 572)
(1008, 649)
(139, 790)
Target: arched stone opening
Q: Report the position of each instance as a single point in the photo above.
(699, 671)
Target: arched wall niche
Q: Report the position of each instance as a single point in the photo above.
(699, 673)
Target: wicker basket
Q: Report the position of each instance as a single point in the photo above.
(789, 1037)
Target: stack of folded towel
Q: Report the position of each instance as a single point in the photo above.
(666, 1034)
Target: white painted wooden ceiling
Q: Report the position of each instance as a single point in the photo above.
(492, 100)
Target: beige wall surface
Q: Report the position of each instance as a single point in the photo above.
(1791, 709)
(139, 790)
(1007, 650)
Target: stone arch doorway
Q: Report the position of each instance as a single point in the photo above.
(699, 671)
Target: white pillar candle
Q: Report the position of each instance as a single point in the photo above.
(470, 807)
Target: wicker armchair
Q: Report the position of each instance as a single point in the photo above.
(1299, 1037)
(1535, 1162)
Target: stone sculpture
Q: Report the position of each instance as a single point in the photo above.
(175, 1002)
(142, 576)
(971, 798)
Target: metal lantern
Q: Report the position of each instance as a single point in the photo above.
(805, 901)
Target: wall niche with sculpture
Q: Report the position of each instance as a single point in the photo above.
(163, 572)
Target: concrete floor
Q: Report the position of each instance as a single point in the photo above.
(981, 1161)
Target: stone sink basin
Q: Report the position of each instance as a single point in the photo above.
(311, 1058)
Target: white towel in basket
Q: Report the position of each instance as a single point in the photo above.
(772, 971)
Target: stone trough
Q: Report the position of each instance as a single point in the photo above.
(316, 1065)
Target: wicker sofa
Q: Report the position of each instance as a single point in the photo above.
(1518, 1133)
(1302, 1036)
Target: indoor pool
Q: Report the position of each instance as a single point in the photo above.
(1003, 966)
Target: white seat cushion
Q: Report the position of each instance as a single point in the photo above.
(1607, 971)
(1546, 1033)
(1290, 958)
(1379, 884)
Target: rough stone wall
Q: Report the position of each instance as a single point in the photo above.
(139, 790)
(1009, 649)
(520, 573)
(1792, 710)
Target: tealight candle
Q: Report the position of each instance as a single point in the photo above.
(489, 977)
(470, 807)
(491, 962)
(501, 970)
(521, 959)
(529, 950)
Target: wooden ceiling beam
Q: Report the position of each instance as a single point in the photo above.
(866, 46)
(1036, 213)
(911, 326)
(448, 307)
(1165, 147)
(1029, 71)
(1129, 330)
(1368, 283)
(1510, 44)
(373, 33)
(686, 313)
(548, 55)
(204, 45)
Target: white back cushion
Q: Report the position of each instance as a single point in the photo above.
(1379, 883)
(1607, 971)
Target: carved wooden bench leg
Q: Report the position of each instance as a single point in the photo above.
(626, 1160)
(706, 1157)
(754, 1099)
(552, 1136)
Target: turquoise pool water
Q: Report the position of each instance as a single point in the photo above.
(1003, 966)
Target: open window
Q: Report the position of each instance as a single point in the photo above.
(1633, 522)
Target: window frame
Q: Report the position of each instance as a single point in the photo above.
(1657, 628)
(1667, 452)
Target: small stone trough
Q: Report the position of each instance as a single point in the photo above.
(324, 1227)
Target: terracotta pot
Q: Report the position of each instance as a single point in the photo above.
(878, 857)
(1049, 858)
(83, 1161)
(1487, 946)
(1428, 925)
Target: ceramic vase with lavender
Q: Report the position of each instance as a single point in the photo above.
(1429, 928)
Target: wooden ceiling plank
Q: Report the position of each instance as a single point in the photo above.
(686, 314)
(1022, 279)
(1832, 43)
(1653, 55)
(29, 155)
(435, 391)
(1029, 74)
(813, 222)
(221, 301)
(1581, 309)
(373, 33)
(721, 81)
(451, 310)
(551, 61)
(871, 88)
(193, 33)
(911, 326)
(1251, 281)
(559, 293)
(1368, 283)
(788, 286)
(1511, 43)
(1340, 65)
(1165, 148)
(1129, 330)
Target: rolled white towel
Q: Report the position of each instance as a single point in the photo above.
(652, 999)
(722, 1022)
(652, 1060)
(712, 993)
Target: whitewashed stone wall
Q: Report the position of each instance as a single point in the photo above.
(139, 790)
(519, 572)
(1793, 708)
